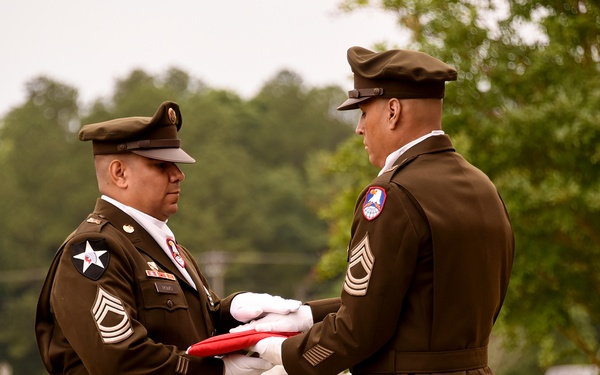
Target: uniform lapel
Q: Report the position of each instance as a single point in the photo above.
(189, 266)
(139, 237)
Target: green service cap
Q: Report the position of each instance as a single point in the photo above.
(402, 74)
(153, 137)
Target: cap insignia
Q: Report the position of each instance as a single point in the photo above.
(172, 116)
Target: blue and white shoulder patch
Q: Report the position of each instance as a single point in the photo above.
(374, 201)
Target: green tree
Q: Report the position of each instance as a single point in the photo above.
(246, 197)
(525, 111)
(43, 187)
(291, 121)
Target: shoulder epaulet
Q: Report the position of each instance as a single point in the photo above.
(389, 174)
(93, 223)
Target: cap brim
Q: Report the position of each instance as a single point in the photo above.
(352, 103)
(174, 155)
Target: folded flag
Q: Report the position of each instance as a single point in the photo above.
(231, 342)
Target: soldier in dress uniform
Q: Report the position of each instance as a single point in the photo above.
(431, 246)
(122, 296)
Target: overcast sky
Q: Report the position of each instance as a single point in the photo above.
(229, 44)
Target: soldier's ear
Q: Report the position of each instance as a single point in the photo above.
(117, 170)
(394, 109)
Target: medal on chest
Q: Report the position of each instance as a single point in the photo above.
(174, 248)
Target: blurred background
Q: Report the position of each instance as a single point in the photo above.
(268, 204)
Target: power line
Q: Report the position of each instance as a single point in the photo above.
(215, 263)
(22, 276)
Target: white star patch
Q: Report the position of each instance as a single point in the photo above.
(90, 258)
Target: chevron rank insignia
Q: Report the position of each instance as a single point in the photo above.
(111, 318)
(90, 258)
(317, 354)
(360, 266)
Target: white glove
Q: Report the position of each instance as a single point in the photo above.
(248, 306)
(237, 364)
(269, 349)
(276, 370)
(298, 321)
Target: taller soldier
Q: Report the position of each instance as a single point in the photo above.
(431, 246)
(122, 296)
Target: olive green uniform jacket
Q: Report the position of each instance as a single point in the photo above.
(130, 311)
(427, 275)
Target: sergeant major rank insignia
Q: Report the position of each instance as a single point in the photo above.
(374, 201)
(90, 258)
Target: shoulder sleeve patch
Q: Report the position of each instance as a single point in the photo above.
(374, 201)
(359, 270)
(90, 258)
